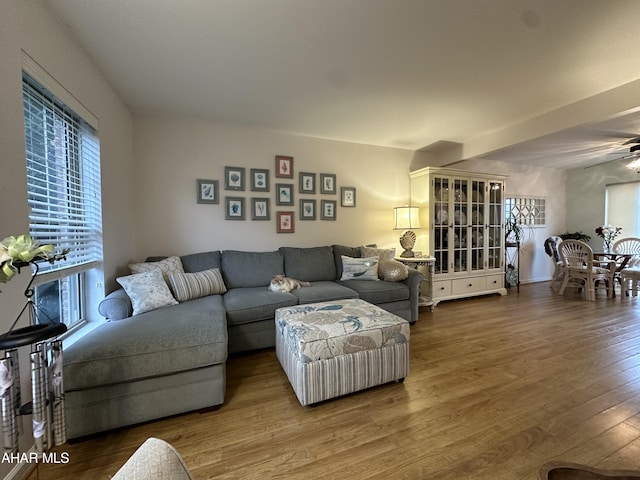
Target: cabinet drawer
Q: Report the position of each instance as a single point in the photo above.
(461, 286)
(441, 289)
(495, 281)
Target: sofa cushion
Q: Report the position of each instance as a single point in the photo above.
(251, 304)
(197, 262)
(147, 291)
(187, 286)
(323, 292)
(378, 292)
(309, 264)
(169, 340)
(250, 269)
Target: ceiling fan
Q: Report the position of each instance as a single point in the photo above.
(633, 155)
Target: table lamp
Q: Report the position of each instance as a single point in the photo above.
(407, 218)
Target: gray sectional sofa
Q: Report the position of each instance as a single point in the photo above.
(172, 360)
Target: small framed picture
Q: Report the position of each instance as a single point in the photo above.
(328, 183)
(284, 166)
(260, 209)
(234, 178)
(259, 180)
(307, 209)
(328, 210)
(207, 191)
(234, 208)
(285, 222)
(307, 182)
(284, 194)
(348, 196)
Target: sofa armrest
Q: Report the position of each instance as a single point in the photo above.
(116, 305)
(413, 282)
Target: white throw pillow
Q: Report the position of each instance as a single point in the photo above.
(187, 286)
(167, 266)
(359, 268)
(147, 291)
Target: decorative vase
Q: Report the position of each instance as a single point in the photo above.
(607, 246)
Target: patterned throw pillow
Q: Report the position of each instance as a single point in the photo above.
(393, 271)
(147, 291)
(167, 266)
(187, 286)
(359, 268)
(383, 254)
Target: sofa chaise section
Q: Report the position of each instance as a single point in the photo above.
(159, 363)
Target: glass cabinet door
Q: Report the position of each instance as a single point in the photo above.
(441, 224)
(495, 231)
(460, 223)
(477, 225)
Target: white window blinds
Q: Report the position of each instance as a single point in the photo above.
(623, 207)
(63, 180)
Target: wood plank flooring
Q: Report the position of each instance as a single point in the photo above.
(498, 386)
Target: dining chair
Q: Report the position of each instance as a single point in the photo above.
(580, 268)
(629, 245)
(551, 249)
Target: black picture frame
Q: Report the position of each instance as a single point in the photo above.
(347, 197)
(307, 183)
(207, 191)
(328, 209)
(284, 194)
(234, 208)
(308, 209)
(259, 180)
(260, 208)
(328, 183)
(234, 178)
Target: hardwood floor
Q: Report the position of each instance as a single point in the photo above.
(498, 386)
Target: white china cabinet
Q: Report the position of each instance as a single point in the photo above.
(463, 228)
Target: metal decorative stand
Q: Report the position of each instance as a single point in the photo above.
(47, 389)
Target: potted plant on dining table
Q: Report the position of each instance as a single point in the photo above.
(608, 233)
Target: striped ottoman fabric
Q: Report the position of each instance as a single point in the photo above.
(334, 348)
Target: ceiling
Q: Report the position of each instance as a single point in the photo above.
(398, 73)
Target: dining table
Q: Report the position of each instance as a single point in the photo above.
(621, 258)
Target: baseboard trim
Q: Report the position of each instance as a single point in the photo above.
(23, 469)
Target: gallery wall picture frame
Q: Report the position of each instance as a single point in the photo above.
(259, 180)
(284, 166)
(307, 182)
(260, 208)
(285, 222)
(207, 191)
(348, 196)
(284, 194)
(307, 209)
(328, 183)
(234, 178)
(233, 208)
(328, 210)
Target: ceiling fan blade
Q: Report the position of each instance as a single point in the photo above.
(632, 140)
(632, 156)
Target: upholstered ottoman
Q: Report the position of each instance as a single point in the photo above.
(334, 348)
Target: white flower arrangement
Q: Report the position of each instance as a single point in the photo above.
(16, 252)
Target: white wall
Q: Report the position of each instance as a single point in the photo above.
(529, 181)
(172, 153)
(29, 26)
(586, 196)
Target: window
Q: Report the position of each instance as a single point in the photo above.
(622, 202)
(526, 211)
(63, 183)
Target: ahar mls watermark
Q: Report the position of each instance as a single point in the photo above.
(35, 457)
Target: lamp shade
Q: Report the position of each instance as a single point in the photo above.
(406, 218)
